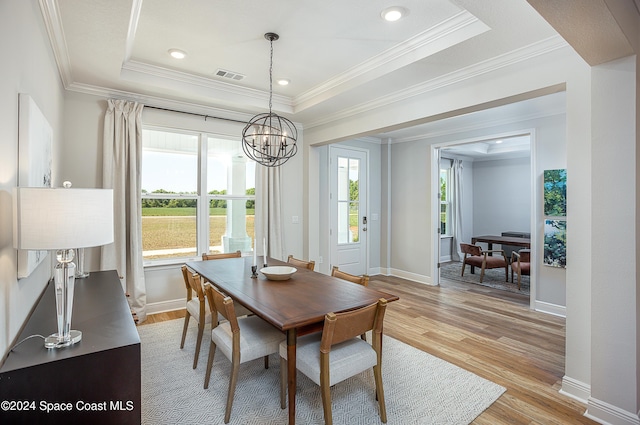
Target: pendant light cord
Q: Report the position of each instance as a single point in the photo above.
(271, 76)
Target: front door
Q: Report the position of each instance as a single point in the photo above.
(348, 200)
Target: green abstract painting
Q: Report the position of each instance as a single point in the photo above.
(555, 193)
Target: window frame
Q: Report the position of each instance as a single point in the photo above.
(202, 197)
(446, 203)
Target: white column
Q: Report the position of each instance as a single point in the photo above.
(236, 237)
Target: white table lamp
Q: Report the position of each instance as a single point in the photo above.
(62, 220)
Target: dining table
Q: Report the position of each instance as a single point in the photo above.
(296, 306)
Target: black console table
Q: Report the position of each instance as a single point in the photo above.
(96, 381)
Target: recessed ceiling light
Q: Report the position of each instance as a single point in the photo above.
(283, 82)
(177, 54)
(498, 142)
(394, 13)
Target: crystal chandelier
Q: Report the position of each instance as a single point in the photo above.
(268, 138)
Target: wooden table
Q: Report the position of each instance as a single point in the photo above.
(502, 240)
(296, 306)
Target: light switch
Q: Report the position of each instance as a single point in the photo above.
(374, 216)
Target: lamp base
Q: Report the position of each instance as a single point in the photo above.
(52, 341)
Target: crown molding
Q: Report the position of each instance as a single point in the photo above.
(53, 24)
(450, 32)
(181, 81)
(528, 52)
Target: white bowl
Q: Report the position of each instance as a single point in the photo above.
(278, 272)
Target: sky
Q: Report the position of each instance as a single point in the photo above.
(179, 172)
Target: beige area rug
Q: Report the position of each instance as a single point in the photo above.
(419, 388)
(493, 278)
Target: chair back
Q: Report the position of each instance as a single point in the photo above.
(220, 303)
(301, 263)
(360, 280)
(525, 255)
(185, 276)
(206, 257)
(470, 249)
(339, 327)
(192, 280)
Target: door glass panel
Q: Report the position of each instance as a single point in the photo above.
(348, 200)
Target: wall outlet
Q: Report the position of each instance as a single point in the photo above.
(295, 219)
(320, 260)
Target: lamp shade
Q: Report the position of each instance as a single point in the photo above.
(46, 218)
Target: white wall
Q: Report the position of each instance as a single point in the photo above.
(502, 196)
(32, 70)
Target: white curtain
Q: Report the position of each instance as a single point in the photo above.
(268, 218)
(456, 208)
(122, 154)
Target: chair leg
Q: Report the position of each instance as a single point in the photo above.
(212, 353)
(506, 273)
(519, 278)
(283, 383)
(233, 380)
(198, 344)
(266, 362)
(184, 329)
(463, 266)
(482, 273)
(377, 373)
(326, 400)
(364, 337)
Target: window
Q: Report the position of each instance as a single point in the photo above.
(198, 195)
(445, 202)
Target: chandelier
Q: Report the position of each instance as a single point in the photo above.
(268, 138)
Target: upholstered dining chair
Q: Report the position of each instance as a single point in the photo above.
(301, 263)
(477, 257)
(360, 280)
(240, 310)
(520, 264)
(338, 354)
(197, 308)
(240, 339)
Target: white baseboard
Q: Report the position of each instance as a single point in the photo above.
(164, 306)
(544, 307)
(575, 389)
(608, 414)
(411, 276)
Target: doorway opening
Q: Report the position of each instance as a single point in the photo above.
(485, 186)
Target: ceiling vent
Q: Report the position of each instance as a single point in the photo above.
(228, 74)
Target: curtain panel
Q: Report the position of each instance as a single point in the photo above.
(122, 154)
(268, 218)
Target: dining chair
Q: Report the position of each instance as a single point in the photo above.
(301, 263)
(477, 257)
(240, 339)
(360, 280)
(337, 354)
(219, 256)
(197, 308)
(240, 310)
(520, 264)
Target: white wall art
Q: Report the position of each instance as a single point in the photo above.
(35, 138)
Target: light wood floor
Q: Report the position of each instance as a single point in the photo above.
(491, 333)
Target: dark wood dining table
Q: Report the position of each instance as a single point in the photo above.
(296, 306)
(502, 240)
